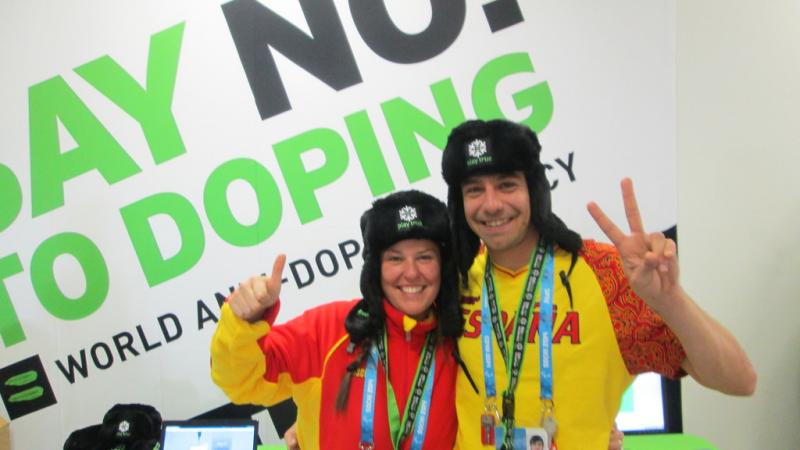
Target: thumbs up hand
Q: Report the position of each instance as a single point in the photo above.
(257, 294)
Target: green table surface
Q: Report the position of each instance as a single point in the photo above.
(640, 442)
(666, 442)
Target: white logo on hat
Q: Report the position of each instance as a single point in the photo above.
(408, 213)
(124, 426)
(477, 148)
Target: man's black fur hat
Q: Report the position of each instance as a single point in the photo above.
(404, 215)
(479, 147)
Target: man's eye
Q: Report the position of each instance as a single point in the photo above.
(471, 190)
(508, 185)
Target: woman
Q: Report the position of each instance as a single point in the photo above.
(376, 372)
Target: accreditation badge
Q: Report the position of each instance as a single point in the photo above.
(537, 439)
(525, 439)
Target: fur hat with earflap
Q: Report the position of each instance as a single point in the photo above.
(479, 147)
(404, 215)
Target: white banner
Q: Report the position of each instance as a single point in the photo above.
(156, 153)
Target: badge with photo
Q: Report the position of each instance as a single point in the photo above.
(524, 438)
(536, 439)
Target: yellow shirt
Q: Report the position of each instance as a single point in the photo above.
(590, 373)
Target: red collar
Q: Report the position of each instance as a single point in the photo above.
(395, 321)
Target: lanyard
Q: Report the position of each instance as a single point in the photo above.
(546, 332)
(521, 331)
(417, 407)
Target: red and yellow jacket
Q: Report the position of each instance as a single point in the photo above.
(306, 359)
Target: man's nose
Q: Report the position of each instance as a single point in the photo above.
(492, 202)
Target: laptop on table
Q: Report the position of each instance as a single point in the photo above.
(217, 434)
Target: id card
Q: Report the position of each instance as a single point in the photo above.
(536, 439)
(524, 438)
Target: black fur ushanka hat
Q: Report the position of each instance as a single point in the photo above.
(404, 215)
(479, 147)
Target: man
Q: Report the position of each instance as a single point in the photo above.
(536, 443)
(577, 320)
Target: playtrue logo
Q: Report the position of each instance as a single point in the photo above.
(477, 150)
(408, 217)
(408, 213)
(25, 388)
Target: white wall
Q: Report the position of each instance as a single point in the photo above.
(739, 206)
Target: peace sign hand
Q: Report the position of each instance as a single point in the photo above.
(650, 259)
(258, 293)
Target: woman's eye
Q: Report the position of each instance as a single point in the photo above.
(426, 257)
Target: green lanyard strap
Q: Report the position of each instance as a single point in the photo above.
(400, 429)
